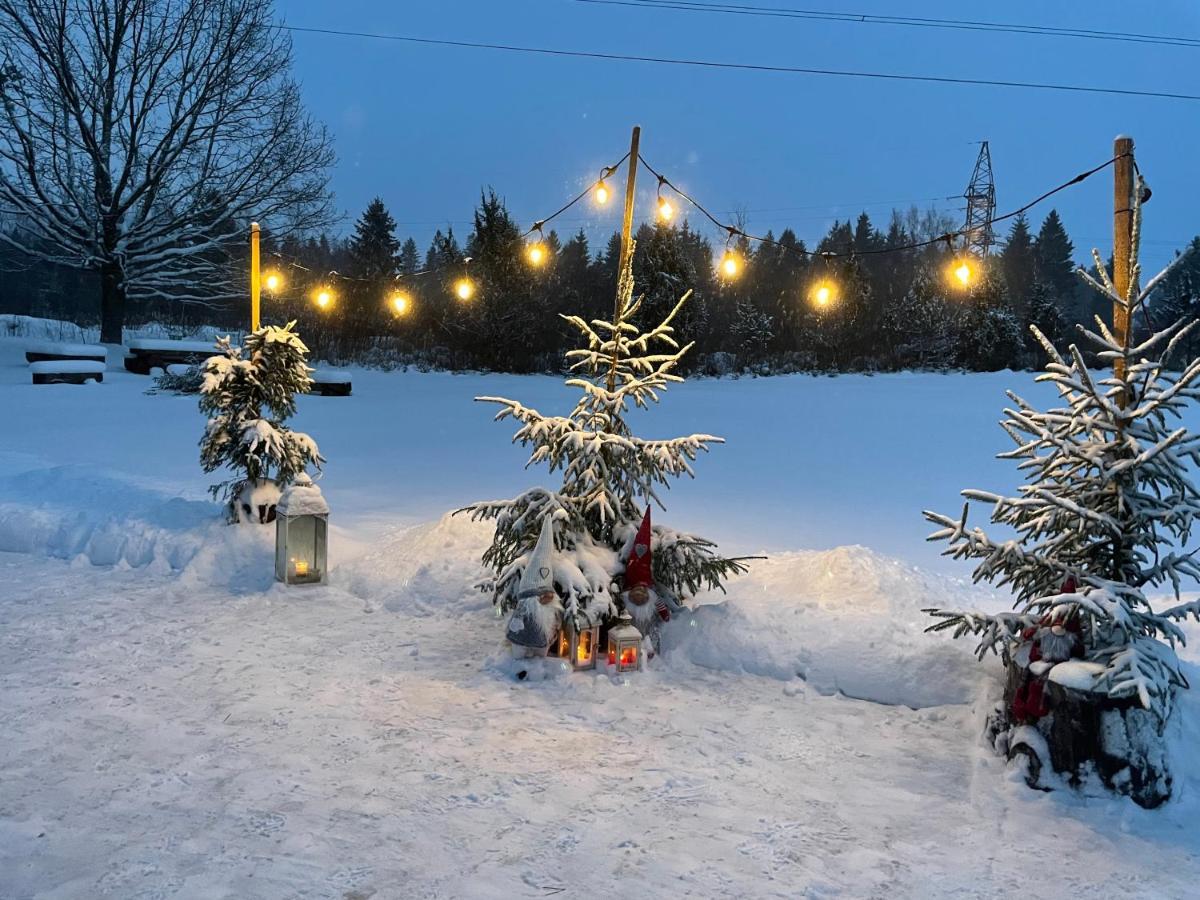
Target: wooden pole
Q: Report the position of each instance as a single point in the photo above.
(626, 246)
(1122, 242)
(255, 278)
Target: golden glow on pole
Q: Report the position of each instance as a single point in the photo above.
(400, 303)
(255, 276)
(464, 288)
(324, 298)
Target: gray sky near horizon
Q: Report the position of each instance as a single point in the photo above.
(427, 127)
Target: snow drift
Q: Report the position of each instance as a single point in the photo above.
(845, 621)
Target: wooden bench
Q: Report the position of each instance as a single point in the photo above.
(66, 371)
(146, 354)
(331, 384)
(53, 351)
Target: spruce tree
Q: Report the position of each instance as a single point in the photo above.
(374, 245)
(609, 474)
(410, 258)
(1054, 257)
(1018, 265)
(1106, 513)
(248, 393)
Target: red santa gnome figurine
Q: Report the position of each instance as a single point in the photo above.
(1056, 638)
(647, 609)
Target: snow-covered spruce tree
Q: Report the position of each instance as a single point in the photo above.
(1106, 513)
(609, 474)
(248, 393)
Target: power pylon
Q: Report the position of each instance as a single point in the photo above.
(981, 205)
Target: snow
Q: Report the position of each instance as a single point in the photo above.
(302, 500)
(64, 349)
(177, 724)
(1077, 673)
(66, 366)
(330, 376)
(182, 346)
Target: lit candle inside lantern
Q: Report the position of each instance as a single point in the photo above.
(629, 656)
(301, 566)
(584, 652)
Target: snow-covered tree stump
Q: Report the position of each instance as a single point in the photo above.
(1085, 733)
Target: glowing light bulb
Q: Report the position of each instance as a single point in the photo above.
(665, 209)
(963, 273)
(324, 299)
(730, 264)
(537, 253)
(823, 294)
(464, 288)
(400, 303)
(601, 193)
(272, 282)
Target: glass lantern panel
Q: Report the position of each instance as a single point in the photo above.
(281, 568)
(303, 562)
(585, 651)
(627, 656)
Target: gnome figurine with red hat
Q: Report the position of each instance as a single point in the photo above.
(1056, 638)
(640, 599)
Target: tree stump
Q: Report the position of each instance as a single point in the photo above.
(1088, 732)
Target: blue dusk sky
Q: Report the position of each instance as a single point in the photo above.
(426, 127)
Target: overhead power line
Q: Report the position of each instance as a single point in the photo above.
(748, 9)
(747, 67)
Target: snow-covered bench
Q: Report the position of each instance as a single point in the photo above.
(331, 384)
(43, 351)
(147, 353)
(66, 371)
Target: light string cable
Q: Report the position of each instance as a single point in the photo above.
(536, 228)
(735, 231)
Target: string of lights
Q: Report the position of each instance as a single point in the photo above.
(734, 231)
(745, 9)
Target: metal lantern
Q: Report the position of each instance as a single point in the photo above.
(301, 534)
(579, 646)
(625, 645)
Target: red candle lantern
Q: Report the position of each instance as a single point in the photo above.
(625, 645)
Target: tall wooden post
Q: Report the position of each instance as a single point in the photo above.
(626, 245)
(1122, 242)
(255, 278)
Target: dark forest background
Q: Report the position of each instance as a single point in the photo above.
(894, 310)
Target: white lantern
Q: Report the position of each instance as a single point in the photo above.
(579, 646)
(625, 645)
(301, 534)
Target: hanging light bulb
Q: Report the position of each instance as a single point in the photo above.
(464, 288)
(324, 298)
(962, 272)
(665, 209)
(731, 264)
(400, 303)
(601, 192)
(272, 282)
(823, 294)
(537, 253)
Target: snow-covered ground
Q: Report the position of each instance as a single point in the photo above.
(175, 724)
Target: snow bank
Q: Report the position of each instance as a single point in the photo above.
(329, 376)
(63, 349)
(845, 621)
(72, 512)
(67, 366)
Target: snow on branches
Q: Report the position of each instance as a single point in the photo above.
(1108, 502)
(609, 474)
(248, 392)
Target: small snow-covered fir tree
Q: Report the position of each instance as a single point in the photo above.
(609, 474)
(1108, 502)
(248, 392)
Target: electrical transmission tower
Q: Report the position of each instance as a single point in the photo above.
(981, 205)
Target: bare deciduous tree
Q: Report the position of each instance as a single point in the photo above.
(139, 137)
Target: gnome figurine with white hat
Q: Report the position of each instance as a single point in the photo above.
(643, 603)
(538, 616)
